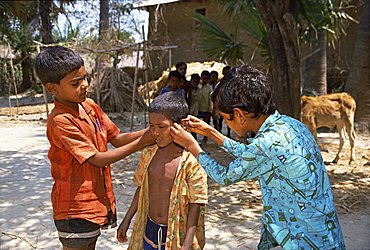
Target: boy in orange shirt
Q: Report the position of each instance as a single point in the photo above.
(78, 131)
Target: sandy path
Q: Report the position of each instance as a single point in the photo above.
(26, 216)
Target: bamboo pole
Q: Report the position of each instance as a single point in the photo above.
(13, 78)
(145, 73)
(134, 88)
(44, 92)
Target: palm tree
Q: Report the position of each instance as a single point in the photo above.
(358, 83)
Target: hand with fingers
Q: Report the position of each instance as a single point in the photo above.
(185, 139)
(196, 125)
(122, 231)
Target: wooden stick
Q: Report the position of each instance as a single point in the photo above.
(134, 88)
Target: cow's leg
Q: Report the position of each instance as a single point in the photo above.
(351, 136)
(341, 141)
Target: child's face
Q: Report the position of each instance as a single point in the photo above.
(214, 78)
(72, 89)
(160, 127)
(182, 70)
(194, 82)
(205, 80)
(174, 83)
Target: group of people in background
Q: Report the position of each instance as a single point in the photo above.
(199, 92)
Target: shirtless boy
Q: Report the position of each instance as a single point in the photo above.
(172, 187)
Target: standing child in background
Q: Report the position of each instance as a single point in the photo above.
(205, 103)
(172, 187)
(174, 84)
(216, 91)
(78, 131)
(213, 82)
(213, 79)
(181, 67)
(194, 95)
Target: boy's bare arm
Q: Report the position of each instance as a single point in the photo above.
(102, 159)
(125, 138)
(191, 227)
(123, 227)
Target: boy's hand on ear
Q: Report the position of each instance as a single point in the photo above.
(196, 125)
(185, 139)
(147, 139)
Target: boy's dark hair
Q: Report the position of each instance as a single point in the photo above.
(171, 105)
(179, 64)
(226, 70)
(247, 89)
(205, 73)
(214, 72)
(174, 73)
(195, 76)
(54, 63)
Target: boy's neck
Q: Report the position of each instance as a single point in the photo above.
(71, 105)
(172, 148)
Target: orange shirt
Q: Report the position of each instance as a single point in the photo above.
(81, 190)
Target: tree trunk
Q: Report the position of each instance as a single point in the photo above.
(27, 72)
(358, 84)
(103, 19)
(279, 17)
(45, 9)
(314, 67)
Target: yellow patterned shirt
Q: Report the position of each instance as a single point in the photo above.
(190, 186)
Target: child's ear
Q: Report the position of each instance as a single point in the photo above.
(50, 87)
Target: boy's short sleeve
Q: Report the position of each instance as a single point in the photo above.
(66, 133)
(197, 182)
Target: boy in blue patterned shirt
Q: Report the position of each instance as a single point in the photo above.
(298, 206)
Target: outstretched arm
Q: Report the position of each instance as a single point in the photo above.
(191, 227)
(251, 160)
(126, 138)
(102, 159)
(125, 224)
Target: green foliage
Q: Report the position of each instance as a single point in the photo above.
(313, 15)
(215, 42)
(330, 15)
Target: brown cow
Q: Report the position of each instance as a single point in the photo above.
(337, 109)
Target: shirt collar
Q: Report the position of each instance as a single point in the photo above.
(65, 108)
(271, 119)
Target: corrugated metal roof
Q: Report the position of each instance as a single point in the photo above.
(145, 3)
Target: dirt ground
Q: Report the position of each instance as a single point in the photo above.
(233, 213)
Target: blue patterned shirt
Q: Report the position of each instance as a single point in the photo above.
(298, 205)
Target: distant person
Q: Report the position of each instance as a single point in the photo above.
(215, 92)
(298, 206)
(181, 67)
(213, 79)
(174, 84)
(171, 187)
(78, 131)
(226, 71)
(194, 96)
(205, 103)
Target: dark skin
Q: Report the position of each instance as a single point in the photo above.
(161, 173)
